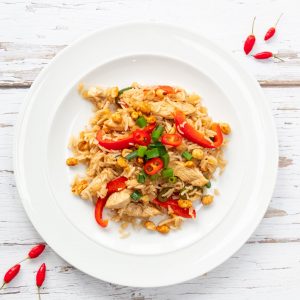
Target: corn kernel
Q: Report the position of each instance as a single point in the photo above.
(78, 187)
(117, 118)
(134, 115)
(122, 162)
(225, 127)
(185, 203)
(72, 161)
(189, 164)
(151, 119)
(140, 160)
(150, 225)
(207, 199)
(114, 92)
(203, 110)
(197, 153)
(164, 229)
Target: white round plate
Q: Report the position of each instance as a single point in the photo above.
(148, 54)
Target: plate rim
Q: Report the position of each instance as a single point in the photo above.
(273, 134)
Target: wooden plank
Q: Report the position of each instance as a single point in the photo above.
(27, 47)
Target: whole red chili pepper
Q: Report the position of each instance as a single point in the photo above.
(266, 55)
(250, 41)
(40, 277)
(272, 30)
(36, 251)
(11, 274)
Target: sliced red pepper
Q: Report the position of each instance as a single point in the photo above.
(168, 89)
(171, 139)
(179, 211)
(153, 166)
(116, 185)
(141, 137)
(113, 186)
(99, 211)
(193, 135)
(115, 145)
(150, 128)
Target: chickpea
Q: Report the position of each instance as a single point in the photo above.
(134, 115)
(189, 164)
(145, 108)
(164, 229)
(121, 161)
(160, 93)
(117, 118)
(150, 225)
(185, 203)
(194, 99)
(207, 199)
(225, 128)
(72, 161)
(198, 153)
(83, 146)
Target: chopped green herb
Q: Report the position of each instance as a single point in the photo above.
(136, 195)
(141, 177)
(131, 155)
(173, 179)
(154, 177)
(152, 153)
(157, 133)
(166, 159)
(161, 196)
(124, 90)
(141, 122)
(187, 155)
(167, 173)
(141, 151)
(208, 185)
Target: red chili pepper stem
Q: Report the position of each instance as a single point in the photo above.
(278, 19)
(253, 25)
(39, 294)
(3, 285)
(275, 56)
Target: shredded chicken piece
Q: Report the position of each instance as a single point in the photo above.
(118, 200)
(166, 109)
(138, 210)
(189, 175)
(98, 185)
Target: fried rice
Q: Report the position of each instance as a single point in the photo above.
(143, 164)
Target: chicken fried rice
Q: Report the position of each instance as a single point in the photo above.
(149, 151)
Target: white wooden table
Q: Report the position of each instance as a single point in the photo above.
(32, 32)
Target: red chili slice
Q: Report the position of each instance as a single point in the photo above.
(179, 211)
(113, 186)
(171, 139)
(168, 89)
(116, 185)
(153, 166)
(193, 135)
(115, 145)
(141, 137)
(99, 211)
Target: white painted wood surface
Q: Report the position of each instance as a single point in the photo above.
(32, 32)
